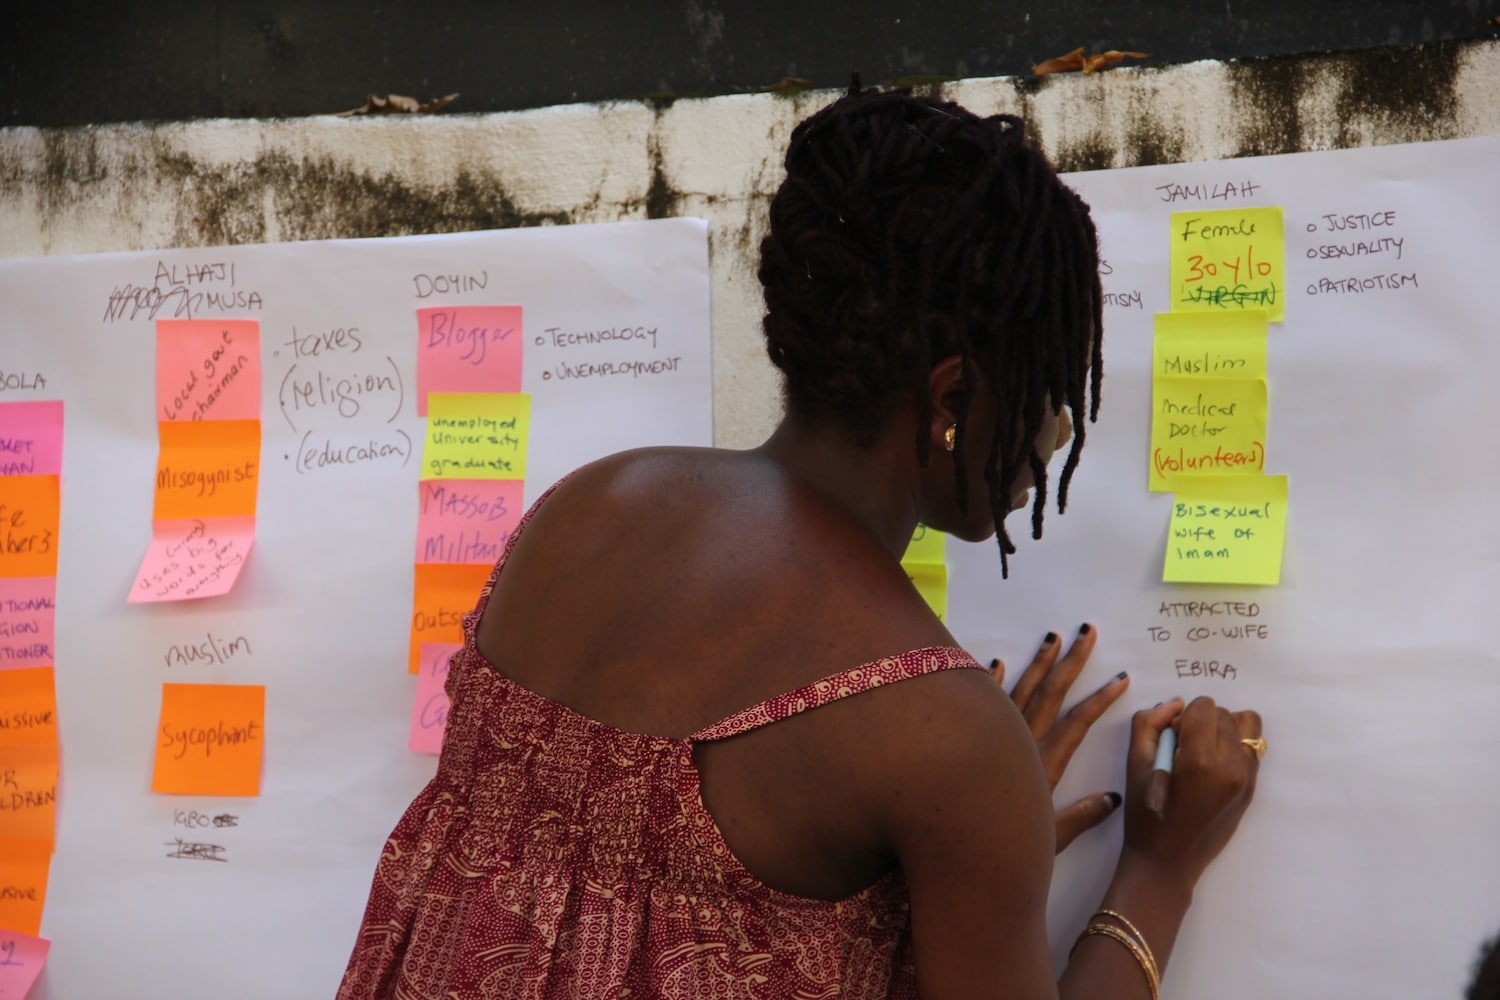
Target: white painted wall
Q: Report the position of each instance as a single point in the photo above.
(204, 183)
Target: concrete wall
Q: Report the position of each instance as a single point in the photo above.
(208, 183)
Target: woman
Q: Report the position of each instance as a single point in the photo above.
(610, 819)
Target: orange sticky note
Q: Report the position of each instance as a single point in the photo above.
(24, 866)
(28, 791)
(29, 509)
(207, 468)
(22, 958)
(210, 740)
(192, 559)
(28, 706)
(207, 369)
(443, 594)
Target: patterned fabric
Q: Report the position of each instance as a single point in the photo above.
(554, 857)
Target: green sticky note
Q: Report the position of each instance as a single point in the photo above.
(1206, 427)
(1227, 529)
(1229, 259)
(476, 435)
(931, 581)
(926, 547)
(1214, 345)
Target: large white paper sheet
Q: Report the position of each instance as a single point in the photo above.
(1368, 864)
(320, 613)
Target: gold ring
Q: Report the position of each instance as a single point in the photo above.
(1257, 744)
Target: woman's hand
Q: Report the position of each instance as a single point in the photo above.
(1039, 694)
(1211, 784)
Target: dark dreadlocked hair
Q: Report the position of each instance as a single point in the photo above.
(909, 230)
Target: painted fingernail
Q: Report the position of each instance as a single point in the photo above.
(995, 663)
(1114, 800)
(1049, 638)
(1084, 629)
(1120, 676)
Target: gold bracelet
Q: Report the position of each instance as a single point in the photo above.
(1142, 958)
(1135, 931)
(1125, 921)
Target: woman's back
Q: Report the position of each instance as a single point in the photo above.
(660, 591)
(565, 847)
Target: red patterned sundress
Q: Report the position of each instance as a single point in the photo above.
(554, 857)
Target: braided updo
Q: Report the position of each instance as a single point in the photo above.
(909, 230)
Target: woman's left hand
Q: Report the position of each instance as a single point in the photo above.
(1039, 694)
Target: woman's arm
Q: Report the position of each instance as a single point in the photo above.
(970, 818)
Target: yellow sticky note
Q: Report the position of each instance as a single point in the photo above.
(24, 866)
(1232, 259)
(28, 706)
(927, 547)
(1227, 529)
(442, 595)
(28, 791)
(1216, 345)
(207, 468)
(931, 581)
(1206, 427)
(210, 740)
(476, 435)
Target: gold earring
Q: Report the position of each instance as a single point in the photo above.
(950, 436)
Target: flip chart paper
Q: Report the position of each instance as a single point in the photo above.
(193, 558)
(28, 707)
(1227, 529)
(429, 716)
(476, 435)
(210, 739)
(208, 468)
(24, 865)
(442, 595)
(207, 369)
(1217, 345)
(467, 520)
(28, 791)
(31, 438)
(472, 349)
(1206, 426)
(325, 597)
(28, 616)
(1229, 259)
(29, 512)
(22, 958)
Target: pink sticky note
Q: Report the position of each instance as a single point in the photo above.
(429, 713)
(193, 558)
(207, 369)
(22, 958)
(467, 520)
(31, 438)
(468, 349)
(28, 616)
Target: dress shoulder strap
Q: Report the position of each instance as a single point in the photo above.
(856, 680)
